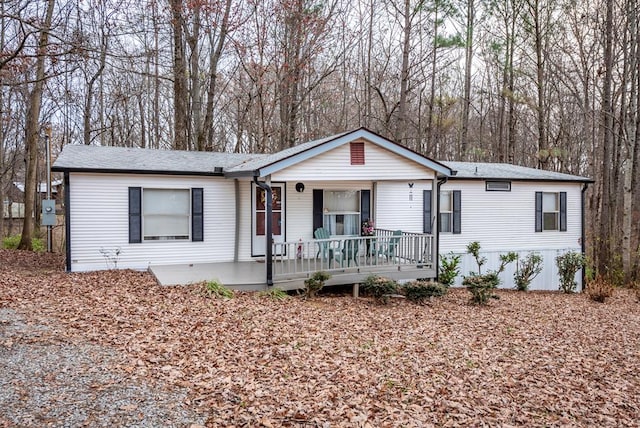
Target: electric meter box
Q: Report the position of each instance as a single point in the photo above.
(48, 213)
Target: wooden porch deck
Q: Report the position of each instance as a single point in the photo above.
(293, 262)
(251, 276)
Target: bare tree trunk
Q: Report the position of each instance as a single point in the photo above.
(404, 75)
(604, 230)
(180, 124)
(205, 136)
(468, 58)
(32, 128)
(88, 106)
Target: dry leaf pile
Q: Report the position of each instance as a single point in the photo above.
(526, 359)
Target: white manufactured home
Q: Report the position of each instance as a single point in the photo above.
(512, 208)
(256, 220)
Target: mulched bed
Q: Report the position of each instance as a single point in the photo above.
(102, 339)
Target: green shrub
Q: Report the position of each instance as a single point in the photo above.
(449, 269)
(380, 288)
(315, 283)
(473, 248)
(274, 293)
(599, 289)
(568, 265)
(420, 291)
(215, 289)
(527, 269)
(12, 242)
(481, 287)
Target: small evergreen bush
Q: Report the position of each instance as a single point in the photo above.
(480, 285)
(380, 288)
(528, 268)
(421, 291)
(449, 269)
(215, 289)
(568, 265)
(314, 284)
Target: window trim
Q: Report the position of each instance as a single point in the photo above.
(488, 184)
(326, 212)
(189, 217)
(449, 211)
(556, 212)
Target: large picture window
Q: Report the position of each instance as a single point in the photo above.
(166, 214)
(341, 215)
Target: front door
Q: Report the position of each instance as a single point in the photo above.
(259, 210)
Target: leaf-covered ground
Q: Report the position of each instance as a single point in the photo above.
(526, 359)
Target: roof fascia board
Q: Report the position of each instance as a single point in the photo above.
(133, 171)
(554, 180)
(352, 136)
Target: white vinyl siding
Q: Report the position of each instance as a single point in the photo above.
(505, 221)
(335, 165)
(99, 221)
(398, 206)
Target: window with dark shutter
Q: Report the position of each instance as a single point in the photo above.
(426, 211)
(135, 215)
(357, 153)
(457, 212)
(197, 217)
(317, 208)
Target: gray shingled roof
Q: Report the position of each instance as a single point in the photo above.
(98, 158)
(81, 157)
(260, 162)
(504, 171)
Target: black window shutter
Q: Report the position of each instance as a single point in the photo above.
(197, 217)
(457, 208)
(135, 215)
(365, 205)
(563, 211)
(317, 208)
(426, 211)
(538, 211)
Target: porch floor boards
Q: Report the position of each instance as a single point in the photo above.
(250, 275)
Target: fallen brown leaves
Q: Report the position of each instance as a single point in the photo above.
(526, 359)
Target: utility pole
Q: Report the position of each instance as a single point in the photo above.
(47, 142)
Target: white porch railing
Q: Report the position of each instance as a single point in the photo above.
(384, 251)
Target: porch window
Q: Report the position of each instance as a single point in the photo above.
(446, 212)
(166, 214)
(341, 214)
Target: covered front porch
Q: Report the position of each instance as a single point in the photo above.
(349, 260)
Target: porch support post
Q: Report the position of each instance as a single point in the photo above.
(269, 235)
(438, 181)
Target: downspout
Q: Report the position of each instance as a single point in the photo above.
(436, 225)
(67, 219)
(269, 250)
(583, 245)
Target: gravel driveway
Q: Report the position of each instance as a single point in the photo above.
(46, 381)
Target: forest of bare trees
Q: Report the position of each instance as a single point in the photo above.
(552, 84)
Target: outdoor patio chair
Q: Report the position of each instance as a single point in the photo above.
(388, 251)
(323, 247)
(349, 252)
